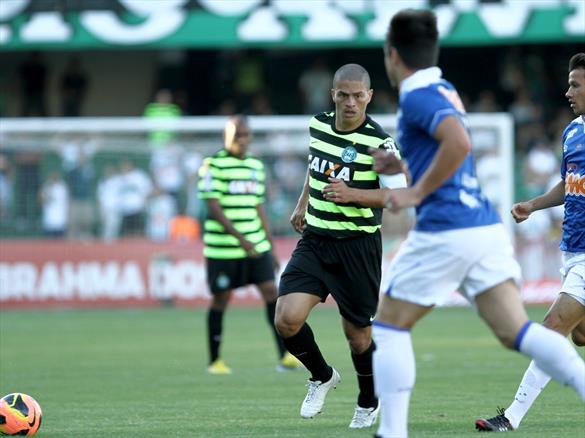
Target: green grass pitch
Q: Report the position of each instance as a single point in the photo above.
(141, 373)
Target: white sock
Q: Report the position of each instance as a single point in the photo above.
(532, 384)
(553, 354)
(394, 376)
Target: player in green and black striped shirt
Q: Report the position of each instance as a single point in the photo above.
(236, 236)
(340, 253)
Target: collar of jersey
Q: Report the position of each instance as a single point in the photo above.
(421, 78)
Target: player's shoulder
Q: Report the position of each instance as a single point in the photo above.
(429, 92)
(217, 155)
(373, 129)
(573, 127)
(253, 161)
(324, 117)
(577, 121)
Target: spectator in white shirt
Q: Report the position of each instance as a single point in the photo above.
(135, 188)
(54, 198)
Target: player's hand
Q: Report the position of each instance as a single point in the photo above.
(337, 191)
(386, 162)
(399, 199)
(297, 219)
(521, 211)
(249, 247)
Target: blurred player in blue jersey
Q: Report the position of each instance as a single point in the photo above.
(567, 314)
(458, 241)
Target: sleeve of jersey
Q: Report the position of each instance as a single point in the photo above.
(208, 186)
(427, 108)
(392, 181)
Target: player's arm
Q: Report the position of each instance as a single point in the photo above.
(454, 145)
(552, 198)
(297, 218)
(338, 191)
(215, 211)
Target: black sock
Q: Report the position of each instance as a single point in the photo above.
(304, 348)
(270, 312)
(365, 377)
(214, 329)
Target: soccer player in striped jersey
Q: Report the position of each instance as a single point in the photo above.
(567, 313)
(238, 244)
(340, 253)
(458, 241)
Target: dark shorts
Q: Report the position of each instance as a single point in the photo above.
(348, 269)
(225, 274)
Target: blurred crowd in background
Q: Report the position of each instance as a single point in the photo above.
(75, 190)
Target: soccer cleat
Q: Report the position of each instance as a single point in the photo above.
(499, 423)
(364, 417)
(289, 363)
(315, 399)
(218, 366)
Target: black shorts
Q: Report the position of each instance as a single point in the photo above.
(225, 274)
(348, 269)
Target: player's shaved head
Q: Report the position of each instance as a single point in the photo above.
(353, 73)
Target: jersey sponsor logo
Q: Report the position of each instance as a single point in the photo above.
(329, 168)
(242, 187)
(349, 154)
(574, 184)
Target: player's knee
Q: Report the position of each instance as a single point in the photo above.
(359, 345)
(220, 302)
(286, 325)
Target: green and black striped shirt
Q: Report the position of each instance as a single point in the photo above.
(343, 155)
(238, 184)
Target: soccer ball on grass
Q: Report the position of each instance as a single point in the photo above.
(20, 414)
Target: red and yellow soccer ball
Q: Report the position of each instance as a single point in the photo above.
(20, 414)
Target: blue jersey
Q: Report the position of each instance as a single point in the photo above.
(573, 173)
(425, 100)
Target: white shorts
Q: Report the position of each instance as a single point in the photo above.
(573, 272)
(430, 266)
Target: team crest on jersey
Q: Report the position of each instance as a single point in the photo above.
(349, 154)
